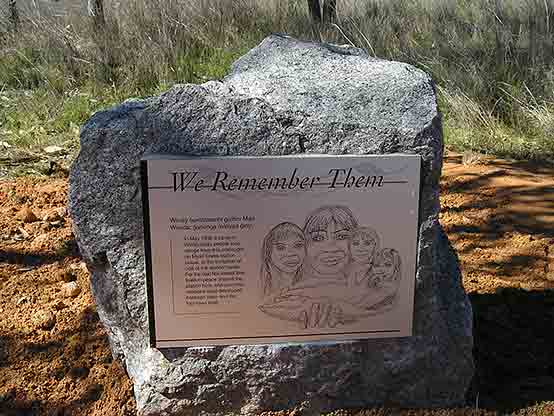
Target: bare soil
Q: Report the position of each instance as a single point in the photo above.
(499, 215)
(66, 369)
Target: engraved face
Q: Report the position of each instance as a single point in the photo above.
(288, 254)
(362, 248)
(384, 270)
(328, 249)
(386, 273)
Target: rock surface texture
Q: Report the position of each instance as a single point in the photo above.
(283, 97)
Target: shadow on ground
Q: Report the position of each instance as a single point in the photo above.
(35, 259)
(499, 216)
(72, 353)
(514, 349)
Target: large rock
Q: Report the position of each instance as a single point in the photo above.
(283, 97)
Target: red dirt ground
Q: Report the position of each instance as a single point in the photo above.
(499, 215)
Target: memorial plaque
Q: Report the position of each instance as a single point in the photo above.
(257, 250)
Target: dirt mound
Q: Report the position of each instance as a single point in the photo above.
(54, 353)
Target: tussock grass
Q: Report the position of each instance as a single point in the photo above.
(470, 126)
(38, 118)
(492, 61)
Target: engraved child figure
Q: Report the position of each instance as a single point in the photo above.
(381, 285)
(364, 244)
(283, 253)
(377, 292)
(386, 273)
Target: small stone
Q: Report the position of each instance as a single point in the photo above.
(49, 188)
(52, 150)
(45, 320)
(59, 305)
(21, 301)
(79, 266)
(55, 214)
(23, 232)
(71, 289)
(67, 276)
(26, 215)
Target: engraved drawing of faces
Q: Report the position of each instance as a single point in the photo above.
(363, 245)
(288, 254)
(328, 232)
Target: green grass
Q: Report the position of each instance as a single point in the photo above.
(38, 118)
(31, 119)
(470, 126)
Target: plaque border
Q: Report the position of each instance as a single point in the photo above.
(148, 252)
(148, 246)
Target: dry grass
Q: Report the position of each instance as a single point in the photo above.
(492, 61)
